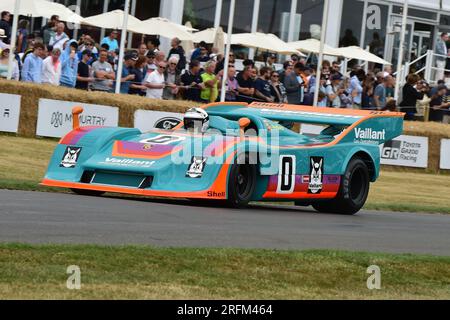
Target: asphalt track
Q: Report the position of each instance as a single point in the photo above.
(33, 217)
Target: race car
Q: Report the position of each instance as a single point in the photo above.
(234, 153)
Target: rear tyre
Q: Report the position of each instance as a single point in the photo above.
(241, 183)
(92, 193)
(353, 191)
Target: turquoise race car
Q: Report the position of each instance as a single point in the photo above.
(233, 153)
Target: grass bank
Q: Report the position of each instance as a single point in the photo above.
(23, 162)
(39, 272)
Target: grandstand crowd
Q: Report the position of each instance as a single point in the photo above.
(51, 57)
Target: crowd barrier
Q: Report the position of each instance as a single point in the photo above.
(45, 111)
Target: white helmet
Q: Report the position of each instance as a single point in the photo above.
(196, 119)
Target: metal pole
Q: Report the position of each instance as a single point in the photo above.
(77, 11)
(105, 9)
(218, 14)
(130, 34)
(322, 44)
(292, 14)
(13, 39)
(227, 50)
(122, 45)
(255, 18)
(401, 50)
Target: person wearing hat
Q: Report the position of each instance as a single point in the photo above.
(4, 63)
(3, 44)
(336, 90)
(84, 77)
(129, 61)
(5, 26)
(151, 62)
(270, 62)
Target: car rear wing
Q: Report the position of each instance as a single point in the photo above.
(360, 126)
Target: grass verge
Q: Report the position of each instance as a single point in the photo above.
(23, 162)
(39, 272)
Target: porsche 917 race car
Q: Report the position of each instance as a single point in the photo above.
(233, 153)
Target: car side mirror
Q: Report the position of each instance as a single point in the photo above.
(243, 123)
(76, 111)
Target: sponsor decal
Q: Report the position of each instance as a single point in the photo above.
(167, 123)
(368, 135)
(316, 175)
(70, 157)
(214, 194)
(305, 179)
(147, 146)
(286, 175)
(196, 167)
(163, 139)
(128, 162)
(391, 150)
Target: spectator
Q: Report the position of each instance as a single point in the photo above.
(32, 67)
(380, 93)
(4, 63)
(191, 80)
(210, 80)
(129, 62)
(3, 45)
(435, 89)
(22, 36)
(155, 82)
(84, 71)
(270, 61)
(336, 90)
(51, 68)
(111, 41)
(48, 31)
(439, 105)
(204, 55)
(103, 73)
(262, 85)
(336, 68)
(153, 45)
(442, 54)
(288, 67)
(197, 51)
(278, 91)
(172, 79)
(60, 37)
(88, 45)
(142, 50)
(159, 57)
(4, 24)
(221, 62)
(295, 84)
(151, 62)
(69, 64)
(178, 52)
(246, 85)
(411, 93)
(355, 89)
(391, 106)
(140, 70)
(232, 85)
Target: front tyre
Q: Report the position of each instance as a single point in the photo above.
(241, 184)
(353, 190)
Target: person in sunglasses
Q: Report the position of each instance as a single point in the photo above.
(155, 82)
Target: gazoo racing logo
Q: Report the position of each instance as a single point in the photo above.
(368, 135)
(391, 150)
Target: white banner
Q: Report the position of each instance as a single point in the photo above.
(445, 154)
(9, 112)
(406, 151)
(145, 120)
(55, 117)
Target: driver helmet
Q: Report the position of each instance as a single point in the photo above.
(196, 119)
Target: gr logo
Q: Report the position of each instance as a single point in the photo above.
(391, 150)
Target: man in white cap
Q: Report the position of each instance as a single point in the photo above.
(3, 45)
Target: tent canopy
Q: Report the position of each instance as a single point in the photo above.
(358, 53)
(41, 8)
(207, 35)
(313, 46)
(161, 27)
(263, 41)
(110, 20)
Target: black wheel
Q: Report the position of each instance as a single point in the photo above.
(241, 183)
(92, 193)
(352, 193)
